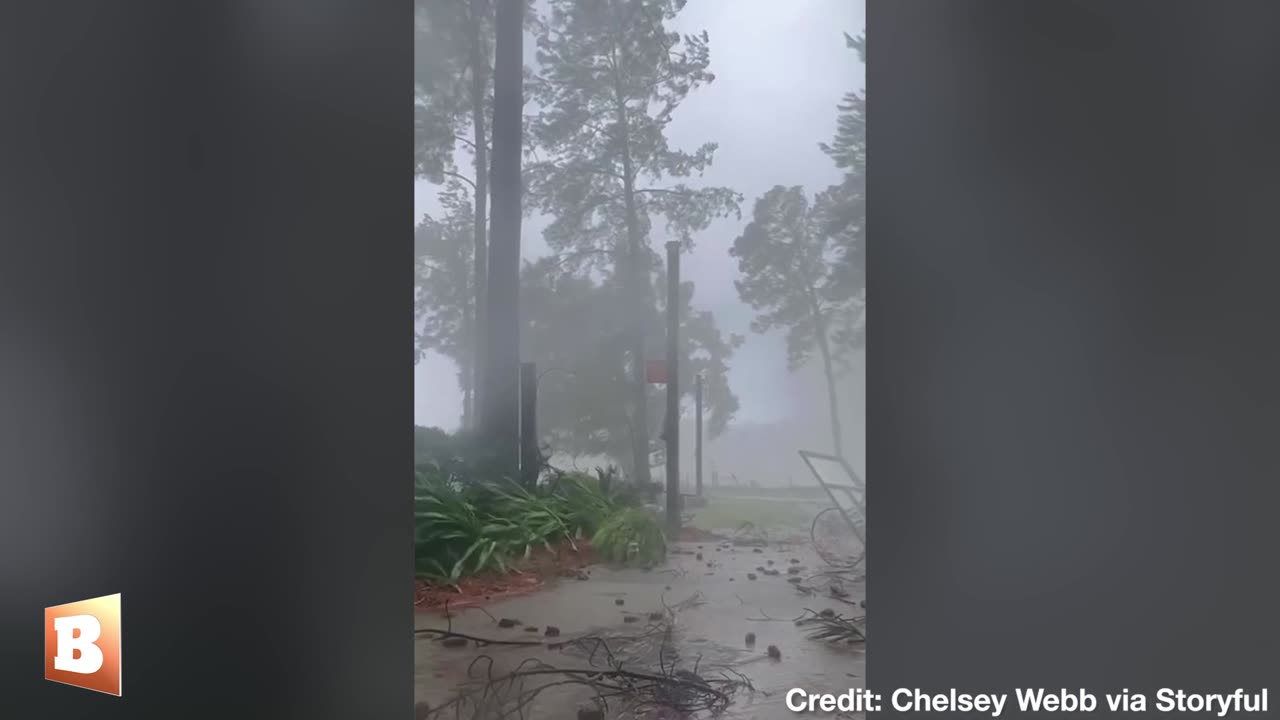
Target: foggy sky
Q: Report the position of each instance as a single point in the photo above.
(781, 68)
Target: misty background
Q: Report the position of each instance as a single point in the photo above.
(781, 69)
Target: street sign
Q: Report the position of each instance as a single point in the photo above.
(655, 372)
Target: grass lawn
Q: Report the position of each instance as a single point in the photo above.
(726, 513)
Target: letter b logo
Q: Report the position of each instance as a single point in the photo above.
(77, 649)
(82, 644)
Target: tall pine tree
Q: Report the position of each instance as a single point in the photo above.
(611, 77)
(785, 258)
(453, 109)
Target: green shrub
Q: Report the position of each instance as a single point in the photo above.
(621, 494)
(464, 527)
(467, 521)
(630, 536)
(544, 514)
(584, 504)
(454, 538)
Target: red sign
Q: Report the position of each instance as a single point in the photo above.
(655, 372)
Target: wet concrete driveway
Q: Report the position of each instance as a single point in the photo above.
(694, 612)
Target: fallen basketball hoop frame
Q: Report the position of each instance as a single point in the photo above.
(855, 490)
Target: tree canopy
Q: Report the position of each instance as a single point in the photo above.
(843, 206)
(785, 257)
(444, 288)
(572, 330)
(440, 91)
(611, 77)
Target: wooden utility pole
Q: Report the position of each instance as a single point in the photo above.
(501, 396)
(673, 388)
(697, 438)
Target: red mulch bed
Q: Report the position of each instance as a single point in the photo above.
(531, 574)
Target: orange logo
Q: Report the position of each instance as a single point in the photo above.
(82, 644)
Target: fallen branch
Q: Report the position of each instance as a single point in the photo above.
(508, 695)
(479, 641)
(766, 617)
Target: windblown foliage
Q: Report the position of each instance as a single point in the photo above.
(633, 536)
(843, 207)
(466, 523)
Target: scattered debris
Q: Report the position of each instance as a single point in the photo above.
(625, 684)
(748, 535)
(629, 684)
(835, 628)
(692, 601)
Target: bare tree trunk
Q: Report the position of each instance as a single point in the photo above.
(636, 277)
(479, 85)
(467, 373)
(828, 369)
(500, 396)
